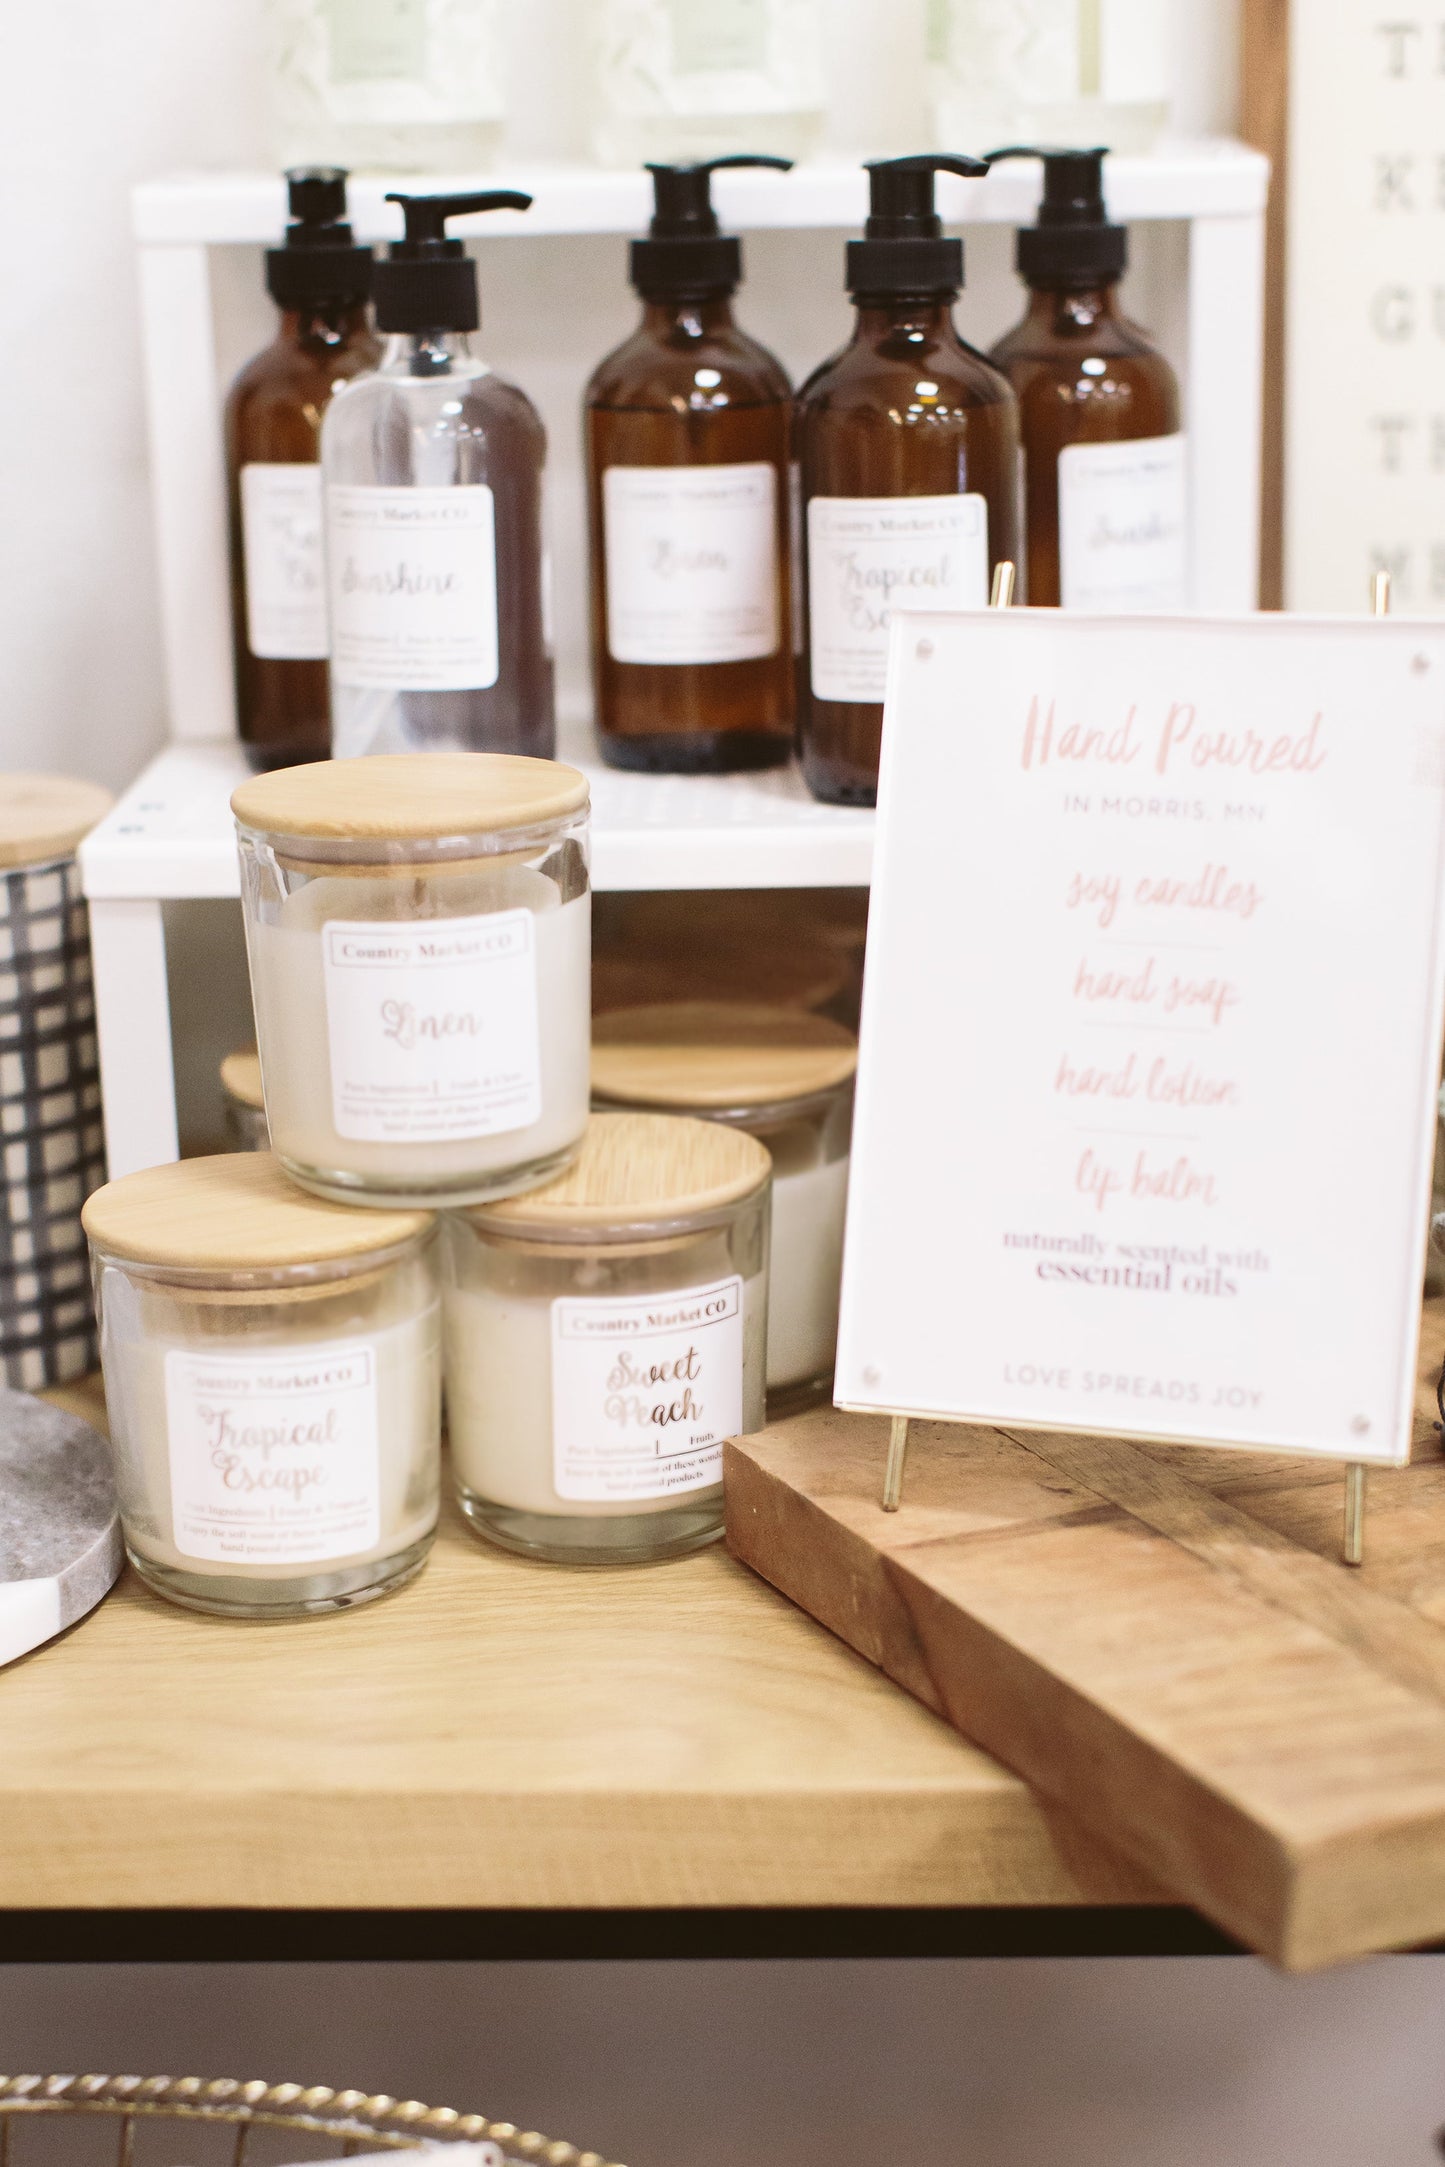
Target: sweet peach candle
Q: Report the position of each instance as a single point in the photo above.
(418, 927)
(273, 1378)
(787, 1079)
(604, 1335)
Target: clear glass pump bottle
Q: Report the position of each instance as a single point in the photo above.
(908, 445)
(436, 566)
(1105, 463)
(688, 426)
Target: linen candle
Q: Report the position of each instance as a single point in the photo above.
(418, 927)
(273, 1376)
(604, 1335)
(787, 1079)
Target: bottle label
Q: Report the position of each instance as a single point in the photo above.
(274, 1453)
(281, 552)
(868, 556)
(708, 39)
(413, 582)
(645, 1391)
(1123, 535)
(376, 41)
(692, 562)
(432, 1027)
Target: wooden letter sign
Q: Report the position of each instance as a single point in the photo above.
(1151, 1030)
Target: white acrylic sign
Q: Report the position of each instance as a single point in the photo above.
(1151, 1029)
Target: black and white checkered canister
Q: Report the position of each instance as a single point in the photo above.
(52, 1151)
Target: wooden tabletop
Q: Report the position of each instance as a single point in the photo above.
(505, 1735)
(498, 1735)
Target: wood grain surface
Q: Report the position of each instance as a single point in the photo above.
(503, 1734)
(717, 1054)
(46, 816)
(237, 1212)
(634, 1168)
(1162, 1641)
(394, 796)
(1264, 122)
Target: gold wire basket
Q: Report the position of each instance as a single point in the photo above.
(358, 2121)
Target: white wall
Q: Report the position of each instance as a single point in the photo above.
(95, 95)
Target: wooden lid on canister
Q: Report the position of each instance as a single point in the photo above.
(798, 974)
(400, 796)
(46, 816)
(241, 1078)
(717, 1054)
(637, 1170)
(236, 1212)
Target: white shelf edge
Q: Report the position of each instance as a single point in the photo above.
(1209, 178)
(170, 839)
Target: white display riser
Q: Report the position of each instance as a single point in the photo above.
(1216, 190)
(171, 838)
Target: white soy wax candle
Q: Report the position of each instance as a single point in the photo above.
(418, 928)
(604, 1336)
(273, 1380)
(787, 1079)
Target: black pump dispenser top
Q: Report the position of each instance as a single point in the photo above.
(427, 282)
(684, 256)
(1073, 247)
(903, 250)
(319, 262)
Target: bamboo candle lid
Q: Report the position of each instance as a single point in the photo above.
(717, 1054)
(46, 816)
(409, 796)
(638, 1170)
(241, 1078)
(236, 1212)
(801, 976)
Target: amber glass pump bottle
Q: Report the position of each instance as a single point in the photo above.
(908, 447)
(687, 427)
(320, 282)
(1104, 463)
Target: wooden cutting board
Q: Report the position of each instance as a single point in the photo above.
(1161, 1640)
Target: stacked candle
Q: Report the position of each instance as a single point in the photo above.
(418, 929)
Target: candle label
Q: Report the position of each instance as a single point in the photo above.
(281, 544)
(645, 1391)
(274, 1454)
(1122, 538)
(692, 562)
(432, 1027)
(868, 556)
(413, 577)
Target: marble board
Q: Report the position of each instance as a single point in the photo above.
(60, 1546)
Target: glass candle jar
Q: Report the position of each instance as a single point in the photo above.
(787, 1079)
(245, 1102)
(418, 927)
(604, 1335)
(273, 1379)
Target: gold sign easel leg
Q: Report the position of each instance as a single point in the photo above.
(1352, 1550)
(1005, 579)
(897, 1455)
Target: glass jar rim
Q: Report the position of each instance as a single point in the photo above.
(764, 1113)
(404, 853)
